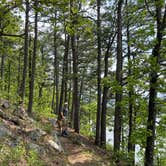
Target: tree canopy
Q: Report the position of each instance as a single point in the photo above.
(106, 59)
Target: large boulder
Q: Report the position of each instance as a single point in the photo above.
(35, 147)
(36, 134)
(57, 144)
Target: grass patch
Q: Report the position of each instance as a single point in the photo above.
(15, 155)
(34, 159)
(11, 155)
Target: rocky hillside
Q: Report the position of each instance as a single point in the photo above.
(28, 142)
(24, 142)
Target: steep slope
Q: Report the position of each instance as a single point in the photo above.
(25, 142)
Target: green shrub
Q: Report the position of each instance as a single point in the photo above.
(33, 159)
(47, 127)
(11, 155)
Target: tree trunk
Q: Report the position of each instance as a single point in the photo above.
(103, 117)
(57, 86)
(75, 68)
(104, 101)
(75, 85)
(2, 65)
(118, 95)
(66, 80)
(56, 72)
(22, 90)
(9, 78)
(30, 104)
(98, 115)
(72, 108)
(41, 84)
(2, 69)
(80, 92)
(81, 88)
(131, 145)
(19, 72)
(30, 62)
(89, 101)
(105, 94)
(151, 126)
(64, 73)
(70, 101)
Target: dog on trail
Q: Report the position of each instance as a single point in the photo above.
(59, 123)
(62, 119)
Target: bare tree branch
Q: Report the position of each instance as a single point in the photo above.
(11, 35)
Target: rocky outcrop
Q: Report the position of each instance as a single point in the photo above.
(17, 127)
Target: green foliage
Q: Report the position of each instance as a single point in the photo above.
(160, 138)
(109, 147)
(115, 87)
(12, 155)
(42, 106)
(16, 154)
(4, 152)
(47, 127)
(88, 118)
(106, 82)
(142, 34)
(33, 159)
(121, 155)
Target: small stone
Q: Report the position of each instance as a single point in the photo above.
(5, 104)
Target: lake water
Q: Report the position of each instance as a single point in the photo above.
(110, 140)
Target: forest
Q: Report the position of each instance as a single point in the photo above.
(105, 58)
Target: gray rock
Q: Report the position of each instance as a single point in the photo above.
(55, 145)
(20, 112)
(13, 142)
(52, 121)
(36, 134)
(4, 131)
(36, 148)
(31, 120)
(57, 142)
(54, 134)
(5, 104)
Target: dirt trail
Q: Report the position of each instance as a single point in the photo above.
(79, 154)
